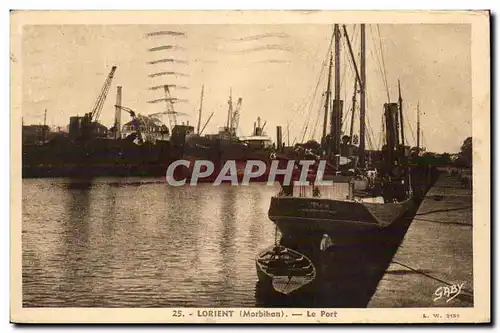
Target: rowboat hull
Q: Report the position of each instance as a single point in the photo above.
(284, 282)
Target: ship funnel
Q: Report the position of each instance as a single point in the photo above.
(279, 139)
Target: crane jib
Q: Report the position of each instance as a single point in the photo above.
(96, 110)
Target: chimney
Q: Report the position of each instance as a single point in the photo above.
(118, 113)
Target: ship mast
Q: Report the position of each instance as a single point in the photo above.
(327, 96)
(44, 134)
(199, 111)
(418, 128)
(288, 133)
(400, 102)
(337, 103)
(362, 102)
(230, 109)
(351, 131)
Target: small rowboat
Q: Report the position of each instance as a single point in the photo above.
(287, 269)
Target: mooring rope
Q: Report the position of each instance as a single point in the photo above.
(443, 210)
(443, 222)
(470, 293)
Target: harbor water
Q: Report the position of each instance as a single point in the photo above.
(132, 242)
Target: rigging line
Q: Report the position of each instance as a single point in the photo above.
(383, 62)
(300, 109)
(308, 117)
(320, 74)
(370, 129)
(379, 62)
(318, 117)
(303, 109)
(353, 77)
(318, 82)
(305, 131)
(348, 113)
(379, 66)
(377, 59)
(346, 110)
(412, 133)
(352, 73)
(314, 94)
(304, 100)
(370, 133)
(370, 143)
(381, 137)
(344, 62)
(348, 60)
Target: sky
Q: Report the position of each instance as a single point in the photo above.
(278, 70)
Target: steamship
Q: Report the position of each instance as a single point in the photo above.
(140, 147)
(225, 146)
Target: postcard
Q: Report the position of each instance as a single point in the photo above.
(250, 167)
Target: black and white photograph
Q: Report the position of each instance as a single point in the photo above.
(243, 167)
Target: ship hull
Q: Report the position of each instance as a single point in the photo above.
(219, 152)
(95, 158)
(344, 222)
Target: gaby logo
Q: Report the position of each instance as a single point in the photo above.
(448, 292)
(203, 169)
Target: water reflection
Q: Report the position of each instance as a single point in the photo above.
(75, 246)
(98, 244)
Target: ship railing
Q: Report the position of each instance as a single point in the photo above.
(335, 191)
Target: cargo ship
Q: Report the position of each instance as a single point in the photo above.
(225, 146)
(140, 147)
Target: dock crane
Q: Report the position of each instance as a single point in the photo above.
(135, 117)
(258, 130)
(140, 120)
(128, 110)
(93, 116)
(235, 119)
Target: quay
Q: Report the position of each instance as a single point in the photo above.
(436, 253)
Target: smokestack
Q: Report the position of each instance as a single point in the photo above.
(279, 139)
(118, 113)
